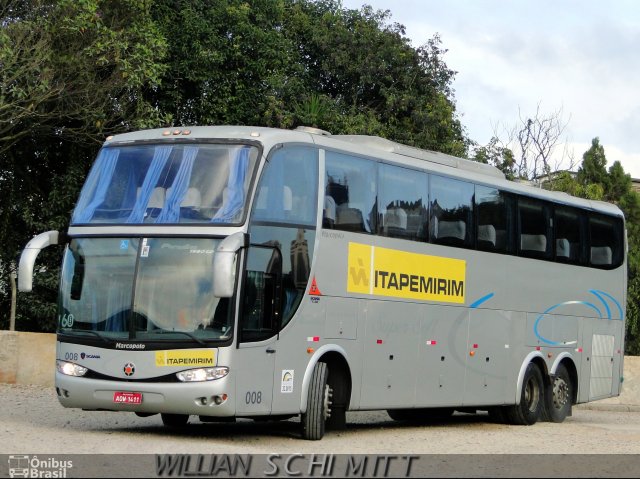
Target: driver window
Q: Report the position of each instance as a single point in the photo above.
(260, 303)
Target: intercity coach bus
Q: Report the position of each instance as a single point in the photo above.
(241, 272)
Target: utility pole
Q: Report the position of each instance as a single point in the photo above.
(12, 318)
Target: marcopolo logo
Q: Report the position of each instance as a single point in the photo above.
(386, 272)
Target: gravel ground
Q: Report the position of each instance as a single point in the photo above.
(33, 422)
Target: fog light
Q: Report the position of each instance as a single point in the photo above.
(202, 374)
(70, 369)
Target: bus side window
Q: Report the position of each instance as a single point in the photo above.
(329, 212)
(402, 200)
(568, 235)
(533, 229)
(605, 242)
(351, 185)
(451, 212)
(493, 219)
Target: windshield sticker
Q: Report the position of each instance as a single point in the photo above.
(287, 381)
(144, 251)
(185, 357)
(124, 244)
(387, 272)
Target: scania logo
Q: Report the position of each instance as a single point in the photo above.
(129, 369)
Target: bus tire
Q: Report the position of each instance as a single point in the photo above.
(174, 420)
(339, 388)
(313, 420)
(498, 414)
(531, 399)
(559, 396)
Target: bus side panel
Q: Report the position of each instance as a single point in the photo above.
(489, 365)
(443, 356)
(391, 345)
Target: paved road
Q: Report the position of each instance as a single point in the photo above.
(33, 422)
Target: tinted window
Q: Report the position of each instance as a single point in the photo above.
(533, 222)
(451, 211)
(605, 241)
(568, 244)
(402, 203)
(287, 192)
(350, 193)
(493, 212)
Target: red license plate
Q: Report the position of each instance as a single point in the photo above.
(127, 398)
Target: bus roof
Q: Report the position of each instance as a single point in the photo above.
(363, 145)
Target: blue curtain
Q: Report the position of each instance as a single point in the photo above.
(235, 189)
(129, 197)
(171, 211)
(160, 156)
(118, 304)
(98, 183)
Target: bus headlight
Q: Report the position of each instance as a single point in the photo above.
(202, 374)
(70, 369)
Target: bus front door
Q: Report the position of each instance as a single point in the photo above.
(258, 324)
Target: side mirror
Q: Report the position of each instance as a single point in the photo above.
(29, 255)
(224, 264)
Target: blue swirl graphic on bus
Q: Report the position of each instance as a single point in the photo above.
(601, 295)
(478, 302)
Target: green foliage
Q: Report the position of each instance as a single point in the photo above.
(593, 169)
(72, 72)
(497, 155)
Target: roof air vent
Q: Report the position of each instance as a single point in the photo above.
(313, 131)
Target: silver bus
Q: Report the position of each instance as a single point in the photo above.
(242, 272)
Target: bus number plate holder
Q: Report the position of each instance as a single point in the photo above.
(122, 397)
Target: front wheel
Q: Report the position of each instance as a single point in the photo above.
(318, 404)
(531, 399)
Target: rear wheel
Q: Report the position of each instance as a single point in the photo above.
(498, 414)
(559, 396)
(318, 404)
(531, 399)
(174, 420)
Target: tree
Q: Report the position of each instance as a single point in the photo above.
(593, 168)
(497, 155)
(71, 73)
(370, 78)
(296, 62)
(533, 143)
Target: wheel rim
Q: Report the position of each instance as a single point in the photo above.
(532, 395)
(560, 393)
(328, 400)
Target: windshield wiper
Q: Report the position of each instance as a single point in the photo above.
(192, 336)
(95, 333)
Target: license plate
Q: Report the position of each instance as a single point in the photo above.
(127, 398)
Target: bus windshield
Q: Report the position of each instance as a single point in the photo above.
(143, 289)
(174, 183)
